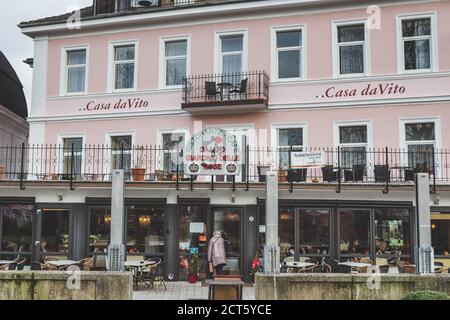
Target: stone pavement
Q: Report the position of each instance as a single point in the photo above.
(182, 291)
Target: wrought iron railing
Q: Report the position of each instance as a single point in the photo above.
(339, 166)
(124, 6)
(250, 86)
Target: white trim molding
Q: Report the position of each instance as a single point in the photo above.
(275, 57)
(163, 59)
(64, 70)
(335, 47)
(434, 63)
(218, 66)
(111, 63)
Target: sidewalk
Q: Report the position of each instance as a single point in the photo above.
(182, 291)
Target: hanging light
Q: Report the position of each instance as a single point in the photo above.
(145, 220)
(107, 219)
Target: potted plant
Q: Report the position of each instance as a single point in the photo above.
(138, 172)
(193, 269)
(255, 267)
(282, 175)
(2, 170)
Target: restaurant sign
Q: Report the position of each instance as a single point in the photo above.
(303, 160)
(212, 152)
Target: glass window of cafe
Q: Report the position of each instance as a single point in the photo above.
(16, 232)
(55, 232)
(193, 235)
(440, 234)
(99, 230)
(146, 230)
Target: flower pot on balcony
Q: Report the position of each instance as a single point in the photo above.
(2, 170)
(138, 174)
(192, 278)
(282, 176)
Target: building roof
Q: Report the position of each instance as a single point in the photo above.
(11, 89)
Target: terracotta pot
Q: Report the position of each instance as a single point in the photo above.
(282, 176)
(192, 279)
(2, 170)
(138, 174)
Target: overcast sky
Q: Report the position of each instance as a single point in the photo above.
(18, 47)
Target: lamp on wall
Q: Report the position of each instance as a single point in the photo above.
(107, 219)
(145, 220)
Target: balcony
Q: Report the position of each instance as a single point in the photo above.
(226, 93)
(339, 169)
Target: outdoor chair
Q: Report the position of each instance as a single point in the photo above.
(262, 170)
(4, 267)
(211, 90)
(384, 268)
(329, 175)
(439, 266)
(153, 274)
(21, 263)
(344, 269)
(408, 268)
(241, 90)
(410, 173)
(333, 264)
(48, 267)
(382, 173)
(86, 264)
(355, 175)
(298, 175)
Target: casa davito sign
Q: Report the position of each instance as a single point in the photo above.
(212, 152)
(119, 104)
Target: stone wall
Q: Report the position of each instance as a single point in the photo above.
(44, 285)
(345, 287)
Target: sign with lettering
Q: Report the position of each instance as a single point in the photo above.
(389, 89)
(303, 160)
(212, 152)
(134, 104)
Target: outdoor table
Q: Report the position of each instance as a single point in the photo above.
(225, 289)
(62, 263)
(137, 266)
(355, 264)
(298, 265)
(3, 262)
(225, 86)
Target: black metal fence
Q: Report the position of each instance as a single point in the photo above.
(123, 6)
(226, 88)
(339, 166)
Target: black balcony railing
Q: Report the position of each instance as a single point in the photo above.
(235, 88)
(383, 166)
(125, 6)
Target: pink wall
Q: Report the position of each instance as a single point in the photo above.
(319, 53)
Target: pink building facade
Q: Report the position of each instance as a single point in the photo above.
(278, 75)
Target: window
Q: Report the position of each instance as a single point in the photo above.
(146, 230)
(72, 157)
(55, 231)
(289, 54)
(392, 232)
(100, 230)
(172, 145)
(287, 137)
(440, 234)
(286, 232)
(175, 62)
(76, 65)
(232, 53)
(17, 230)
(420, 141)
(416, 43)
(124, 67)
(353, 143)
(351, 49)
(314, 231)
(354, 232)
(121, 153)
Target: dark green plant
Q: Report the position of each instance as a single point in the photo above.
(193, 264)
(426, 295)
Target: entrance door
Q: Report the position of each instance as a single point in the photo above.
(51, 235)
(229, 222)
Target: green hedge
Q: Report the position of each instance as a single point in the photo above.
(426, 295)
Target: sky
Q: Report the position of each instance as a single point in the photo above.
(16, 46)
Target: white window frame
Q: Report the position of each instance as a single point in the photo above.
(64, 74)
(61, 154)
(437, 134)
(159, 135)
(108, 144)
(218, 60)
(112, 63)
(369, 144)
(274, 137)
(336, 45)
(433, 42)
(275, 50)
(163, 59)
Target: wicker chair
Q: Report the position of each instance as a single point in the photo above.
(409, 268)
(86, 264)
(48, 267)
(4, 267)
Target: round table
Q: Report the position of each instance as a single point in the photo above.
(137, 265)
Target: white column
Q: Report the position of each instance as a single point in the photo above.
(116, 249)
(272, 249)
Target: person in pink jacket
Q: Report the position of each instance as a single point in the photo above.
(217, 256)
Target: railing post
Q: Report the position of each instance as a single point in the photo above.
(22, 160)
(122, 157)
(192, 183)
(72, 154)
(178, 169)
(212, 183)
(291, 180)
(247, 167)
(339, 170)
(234, 183)
(259, 85)
(387, 175)
(433, 188)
